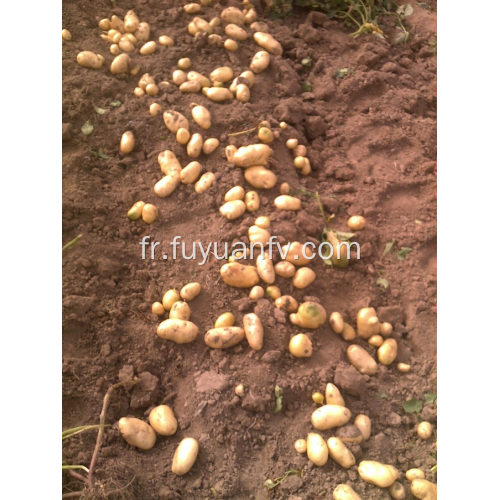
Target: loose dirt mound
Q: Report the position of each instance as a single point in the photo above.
(371, 138)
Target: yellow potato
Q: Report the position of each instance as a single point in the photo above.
(142, 32)
(168, 162)
(364, 424)
(424, 430)
(190, 87)
(265, 268)
(329, 416)
(283, 125)
(222, 74)
(138, 92)
(376, 341)
(182, 136)
(250, 77)
(260, 177)
(235, 32)
(336, 322)
(66, 35)
(194, 145)
(287, 202)
(114, 49)
(233, 15)
(239, 275)
(145, 80)
(368, 323)
(175, 120)
(387, 352)
(348, 333)
(224, 337)
(423, 489)
(303, 277)
(199, 25)
(185, 456)
(179, 77)
(198, 77)
(356, 223)
(89, 59)
(191, 172)
(214, 39)
(148, 48)
(242, 93)
(297, 254)
(309, 315)
(154, 109)
(251, 16)
(292, 143)
(201, 116)
(192, 8)
(210, 145)
(414, 473)
(254, 331)
(300, 445)
(229, 152)
(235, 193)
(286, 302)
(218, 94)
(318, 398)
(300, 150)
(259, 26)
(285, 269)
(158, 309)
(231, 45)
(165, 41)
(130, 21)
(285, 188)
(361, 360)
(117, 24)
(258, 235)
(253, 155)
(267, 42)
(265, 135)
(256, 293)
(105, 24)
(317, 450)
(386, 329)
(167, 185)
(149, 213)
(120, 64)
(178, 330)
(345, 492)
(333, 396)
(397, 491)
(205, 182)
(170, 297)
(260, 61)
(273, 291)
(136, 211)
(152, 89)
(340, 453)
(403, 367)
(163, 421)
(137, 433)
(180, 310)
(379, 474)
(125, 44)
(232, 209)
(225, 319)
(300, 346)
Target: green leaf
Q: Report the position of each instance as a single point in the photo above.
(115, 104)
(100, 111)
(382, 283)
(403, 252)
(388, 248)
(87, 128)
(278, 393)
(430, 397)
(412, 405)
(307, 87)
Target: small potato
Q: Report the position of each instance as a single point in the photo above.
(250, 78)
(259, 26)
(134, 71)
(260, 62)
(194, 145)
(239, 275)
(265, 268)
(242, 93)
(66, 35)
(235, 32)
(300, 446)
(265, 135)
(397, 491)
(414, 473)
(137, 433)
(184, 63)
(233, 15)
(336, 322)
(364, 424)
(292, 143)
(285, 188)
(423, 489)
(205, 182)
(356, 223)
(231, 45)
(152, 89)
(368, 323)
(201, 116)
(192, 8)
(287, 202)
(229, 152)
(175, 120)
(136, 211)
(349, 434)
(285, 269)
(330, 416)
(345, 492)
(303, 277)
(178, 330)
(120, 64)
(218, 94)
(376, 341)
(130, 21)
(252, 201)
(300, 346)
(167, 185)
(258, 235)
(254, 331)
(273, 291)
(225, 337)
(105, 24)
(348, 333)
(267, 42)
(89, 59)
(333, 396)
(222, 74)
(403, 367)
(379, 474)
(158, 309)
(387, 352)
(256, 293)
(182, 136)
(309, 315)
(117, 24)
(190, 291)
(232, 209)
(340, 453)
(214, 40)
(235, 193)
(424, 430)
(317, 449)
(199, 25)
(198, 77)
(283, 125)
(298, 254)
(318, 398)
(149, 213)
(361, 360)
(126, 45)
(166, 41)
(210, 145)
(154, 109)
(179, 77)
(239, 390)
(145, 80)
(251, 16)
(286, 302)
(180, 310)
(170, 298)
(169, 164)
(191, 172)
(252, 155)
(185, 456)
(300, 150)
(142, 32)
(163, 421)
(260, 177)
(225, 319)
(386, 329)
(114, 49)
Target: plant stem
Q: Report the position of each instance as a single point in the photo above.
(234, 134)
(71, 243)
(320, 205)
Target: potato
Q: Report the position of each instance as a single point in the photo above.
(180, 310)
(229, 152)
(239, 275)
(185, 456)
(317, 450)
(242, 93)
(300, 445)
(340, 453)
(179, 331)
(303, 277)
(423, 489)
(403, 367)
(163, 421)
(260, 61)
(201, 116)
(379, 474)
(387, 352)
(251, 16)
(300, 346)
(235, 193)
(385, 329)
(297, 254)
(329, 416)
(364, 424)
(267, 42)
(175, 120)
(222, 74)
(336, 322)
(287, 202)
(265, 135)
(333, 396)
(224, 337)
(149, 213)
(318, 398)
(214, 40)
(286, 302)
(283, 125)
(205, 182)
(259, 26)
(225, 319)
(117, 24)
(169, 164)
(137, 433)
(166, 41)
(154, 109)
(348, 333)
(143, 32)
(199, 25)
(254, 331)
(300, 150)
(138, 92)
(182, 136)
(285, 269)
(198, 77)
(105, 24)
(179, 77)
(210, 145)
(253, 155)
(157, 309)
(260, 177)
(356, 223)
(125, 44)
(258, 235)
(309, 315)
(114, 49)
(192, 8)
(130, 21)
(265, 267)
(249, 77)
(256, 293)
(273, 291)
(361, 360)
(184, 63)
(66, 35)
(397, 491)
(376, 340)
(170, 297)
(235, 32)
(424, 430)
(218, 94)
(252, 201)
(233, 15)
(167, 185)
(292, 143)
(152, 89)
(414, 473)
(231, 45)
(232, 209)
(368, 323)
(194, 145)
(89, 59)
(345, 492)
(136, 211)
(148, 48)
(190, 172)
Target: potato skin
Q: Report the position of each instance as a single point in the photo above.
(340, 453)
(345, 492)
(225, 337)
(89, 59)
(260, 61)
(367, 328)
(239, 275)
(300, 346)
(387, 352)
(260, 177)
(379, 474)
(190, 291)
(252, 155)
(178, 330)
(137, 432)
(120, 64)
(333, 396)
(317, 450)
(329, 416)
(232, 209)
(265, 268)
(267, 42)
(163, 421)
(254, 331)
(423, 489)
(185, 456)
(361, 360)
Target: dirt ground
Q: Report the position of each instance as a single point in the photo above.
(370, 133)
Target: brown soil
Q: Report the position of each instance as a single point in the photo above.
(371, 139)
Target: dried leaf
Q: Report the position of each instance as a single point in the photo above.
(100, 111)
(382, 283)
(278, 393)
(403, 252)
(388, 247)
(87, 128)
(344, 236)
(115, 104)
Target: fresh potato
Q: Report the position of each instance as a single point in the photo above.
(348, 333)
(194, 145)
(267, 42)
(403, 367)
(163, 421)
(192, 8)
(165, 41)
(178, 330)
(340, 453)
(117, 23)
(138, 92)
(149, 213)
(205, 182)
(225, 319)
(300, 150)
(287, 202)
(185, 456)
(329, 416)
(114, 49)
(201, 116)
(231, 45)
(136, 211)
(304, 276)
(265, 268)
(222, 74)
(199, 25)
(286, 302)
(179, 77)
(253, 155)
(170, 297)
(184, 63)
(204, 82)
(148, 48)
(127, 142)
(397, 491)
(239, 390)
(251, 16)
(424, 430)
(256, 293)
(137, 433)
(233, 15)
(423, 489)
(239, 275)
(336, 322)
(158, 309)
(376, 341)
(66, 35)
(379, 474)
(297, 254)
(218, 94)
(368, 323)
(386, 329)
(214, 40)
(242, 93)
(182, 136)
(387, 352)
(259, 26)
(225, 337)
(175, 120)
(229, 152)
(180, 310)
(254, 331)
(260, 61)
(169, 164)
(333, 396)
(300, 445)
(250, 78)
(273, 291)
(361, 360)
(130, 21)
(364, 424)
(232, 209)
(154, 109)
(356, 223)
(235, 32)
(317, 450)
(89, 59)
(414, 473)
(292, 143)
(235, 193)
(210, 145)
(285, 269)
(190, 291)
(260, 177)
(300, 346)
(318, 398)
(152, 89)
(345, 492)
(191, 172)
(167, 185)
(258, 235)
(309, 315)
(126, 45)
(143, 32)
(105, 24)
(265, 135)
